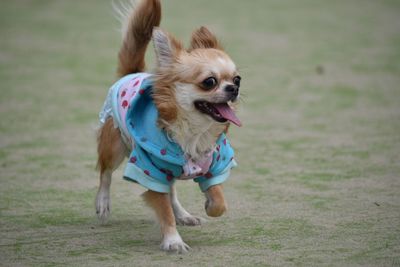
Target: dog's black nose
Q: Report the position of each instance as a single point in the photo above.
(232, 89)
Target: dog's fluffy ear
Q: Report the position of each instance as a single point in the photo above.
(203, 38)
(167, 50)
(166, 47)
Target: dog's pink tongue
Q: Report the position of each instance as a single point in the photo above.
(225, 110)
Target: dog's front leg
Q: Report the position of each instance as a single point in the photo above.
(171, 240)
(182, 217)
(215, 204)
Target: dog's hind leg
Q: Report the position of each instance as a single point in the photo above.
(171, 240)
(111, 152)
(182, 217)
(103, 196)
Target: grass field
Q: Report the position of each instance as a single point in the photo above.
(318, 182)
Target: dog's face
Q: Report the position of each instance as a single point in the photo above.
(210, 84)
(201, 83)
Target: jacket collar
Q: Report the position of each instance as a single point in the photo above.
(141, 121)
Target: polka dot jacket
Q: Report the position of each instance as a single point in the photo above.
(156, 161)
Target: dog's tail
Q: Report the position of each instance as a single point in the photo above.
(137, 32)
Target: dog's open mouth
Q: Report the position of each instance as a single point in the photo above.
(220, 112)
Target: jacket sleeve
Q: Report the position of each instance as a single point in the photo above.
(210, 179)
(221, 166)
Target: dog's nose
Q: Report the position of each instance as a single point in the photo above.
(232, 89)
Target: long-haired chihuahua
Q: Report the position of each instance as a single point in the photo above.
(171, 123)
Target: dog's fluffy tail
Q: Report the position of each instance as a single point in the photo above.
(137, 32)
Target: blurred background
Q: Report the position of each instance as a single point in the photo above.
(318, 177)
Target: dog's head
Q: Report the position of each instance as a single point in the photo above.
(200, 84)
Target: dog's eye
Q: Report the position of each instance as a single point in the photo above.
(237, 80)
(209, 83)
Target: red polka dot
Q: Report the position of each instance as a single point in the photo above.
(208, 175)
(224, 141)
(125, 104)
(146, 172)
(133, 159)
(136, 83)
(170, 177)
(163, 152)
(141, 91)
(123, 93)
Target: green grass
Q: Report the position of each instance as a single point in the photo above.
(318, 178)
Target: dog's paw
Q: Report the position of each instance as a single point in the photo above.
(103, 206)
(214, 209)
(173, 243)
(189, 220)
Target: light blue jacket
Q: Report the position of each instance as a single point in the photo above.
(156, 161)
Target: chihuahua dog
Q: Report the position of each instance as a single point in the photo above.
(171, 123)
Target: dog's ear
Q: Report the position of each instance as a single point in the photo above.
(166, 47)
(203, 38)
(167, 50)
